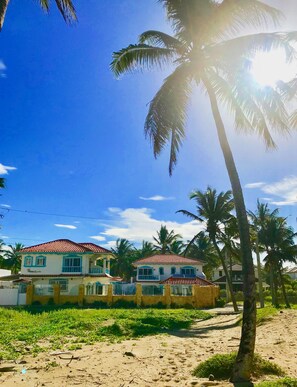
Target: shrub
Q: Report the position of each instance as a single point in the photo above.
(124, 304)
(221, 367)
(285, 382)
(220, 302)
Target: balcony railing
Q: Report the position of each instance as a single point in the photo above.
(71, 269)
(96, 270)
(148, 277)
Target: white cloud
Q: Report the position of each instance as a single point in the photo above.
(2, 69)
(70, 226)
(4, 237)
(98, 237)
(4, 169)
(157, 198)
(284, 191)
(5, 205)
(258, 184)
(137, 224)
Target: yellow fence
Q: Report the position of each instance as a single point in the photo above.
(202, 297)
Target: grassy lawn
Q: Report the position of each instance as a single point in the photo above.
(36, 330)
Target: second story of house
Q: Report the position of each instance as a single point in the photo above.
(65, 257)
(160, 267)
(237, 275)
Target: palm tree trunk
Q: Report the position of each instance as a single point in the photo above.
(3, 9)
(272, 285)
(228, 279)
(283, 289)
(261, 297)
(243, 364)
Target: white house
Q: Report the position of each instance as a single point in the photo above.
(159, 268)
(292, 273)
(66, 263)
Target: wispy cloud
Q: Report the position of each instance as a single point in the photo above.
(157, 198)
(2, 69)
(70, 226)
(5, 205)
(258, 184)
(138, 224)
(284, 190)
(4, 169)
(98, 238)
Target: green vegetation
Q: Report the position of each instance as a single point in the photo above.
(265, 314)
(25, 332)
(285, 382)
(221, 367)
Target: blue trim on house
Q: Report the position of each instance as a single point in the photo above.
(25, 261)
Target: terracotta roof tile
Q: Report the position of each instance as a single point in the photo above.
(64, 246)
(167, 259)
(187, 281)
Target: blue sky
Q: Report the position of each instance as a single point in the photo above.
(72, 139)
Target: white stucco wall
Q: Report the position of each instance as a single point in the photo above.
(167, 269)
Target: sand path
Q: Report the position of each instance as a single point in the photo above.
(163, 360)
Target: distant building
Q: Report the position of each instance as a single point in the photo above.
(292, 273)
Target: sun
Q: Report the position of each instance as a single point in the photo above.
(270, 67)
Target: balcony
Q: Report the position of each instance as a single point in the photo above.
(96, 270)
(71, 269)
(148, 277)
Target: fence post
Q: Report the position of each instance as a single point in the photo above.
(138, 294)
(196, 295)
(56, 291)
(29, 294)
(81, 294)
(167, 295)
(109, 295)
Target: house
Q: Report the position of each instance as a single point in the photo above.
(68, 264)
(219, 277)
(292, 273)
(158, 268)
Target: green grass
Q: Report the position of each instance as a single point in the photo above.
(266, 314)
(24, 331)
(285, 382)
(221, 367)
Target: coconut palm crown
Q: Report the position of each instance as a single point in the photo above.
(208, 50)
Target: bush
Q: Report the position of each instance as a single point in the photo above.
(221, 367)
(51, 301)
(285, 382)
(220, 302)
(124, 304)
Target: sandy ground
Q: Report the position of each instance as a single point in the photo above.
(165, 360)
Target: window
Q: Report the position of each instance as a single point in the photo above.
(71, 264)
(60, 281)
(220, 273)
(28, 261)
(40, 260)
(173, 270)
(145, 271)
(161, 270)
(188, 271)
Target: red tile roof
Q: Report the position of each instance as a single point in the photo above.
(187, 281)
(167, 259)
(64, 246)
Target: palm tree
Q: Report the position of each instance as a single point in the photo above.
(215, 210)
(208, 50)
(65, 7)
(13, 258)
(201, 248)
(147, 250)
(177, 247)
(123, 254)
(164, 239)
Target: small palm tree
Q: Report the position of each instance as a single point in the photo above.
(123, 254)
(215, 210)
(65, 7)
(147, 250)
(164, 239)
(13, 258)
(177, 247)
(209, 50)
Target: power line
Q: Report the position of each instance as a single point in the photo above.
(47, 213)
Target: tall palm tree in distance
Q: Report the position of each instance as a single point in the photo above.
(215, 210)
(13, 258)
(123, 253)
(208, 50)
(164, 239)
(65, 7)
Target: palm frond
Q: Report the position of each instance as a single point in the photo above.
(3, 9)
(2, 182)
(190, 215)
(161, 39)
(140, 56)
(165, 121)
(293, 120)
(67, 10)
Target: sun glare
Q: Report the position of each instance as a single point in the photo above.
(270, 67)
